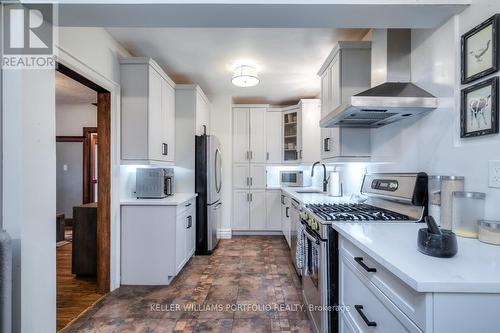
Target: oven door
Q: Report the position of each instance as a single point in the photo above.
(314, 280)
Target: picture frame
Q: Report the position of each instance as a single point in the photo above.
(479, 109)
(479, 55)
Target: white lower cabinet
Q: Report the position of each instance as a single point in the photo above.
(156, 242)
(249, 176)
(381, 302)
(370, 310)
(258, 210)
(249, 210)
(273, 209)
(285, 218)
(241, 210)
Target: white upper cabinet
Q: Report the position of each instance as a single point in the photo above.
(148, 112)
(301, 135)
(273, 136)
(258, 153)
(241, 135)
(249, 135)
(346, 72)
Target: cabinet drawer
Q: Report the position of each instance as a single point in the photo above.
(412, 303)
(187, 206)
(370, 310)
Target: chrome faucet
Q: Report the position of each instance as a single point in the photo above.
(325, 180)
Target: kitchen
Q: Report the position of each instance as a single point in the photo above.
(238, 211)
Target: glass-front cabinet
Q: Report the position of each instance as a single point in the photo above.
(292, 148)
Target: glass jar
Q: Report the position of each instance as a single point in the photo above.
(468, 209)
(441, 190)
(489, 231)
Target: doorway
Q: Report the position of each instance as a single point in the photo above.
(83, 148)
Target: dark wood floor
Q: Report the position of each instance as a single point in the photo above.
(237, 289)
(74, 295)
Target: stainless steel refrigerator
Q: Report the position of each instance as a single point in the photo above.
(208, 184)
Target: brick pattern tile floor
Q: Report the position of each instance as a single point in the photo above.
(247, 285)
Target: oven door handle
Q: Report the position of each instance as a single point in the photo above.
(311, 238)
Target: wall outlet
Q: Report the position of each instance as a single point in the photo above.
(494, 174)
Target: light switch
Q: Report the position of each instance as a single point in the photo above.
(494, 174)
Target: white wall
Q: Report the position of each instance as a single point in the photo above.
(71, 118)
(29, 209)
(221, 123)
(432, 143)
(29, 175)
(96, 51)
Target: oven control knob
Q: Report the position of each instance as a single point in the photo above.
(304, 216)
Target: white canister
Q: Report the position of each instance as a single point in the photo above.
(335, 184)
(441, 190)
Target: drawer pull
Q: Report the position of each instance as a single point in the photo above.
(359, 260)
(359, 309)
(187, 205)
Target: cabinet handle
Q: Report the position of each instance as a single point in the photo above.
(251, 196)
(189, 222)
(251, 181)
(247, 156)
(359, 260)
(267, 156)
(326, 144)
(300, 154)
(248, 197)
(359, 309)
(282, 199)
(286, 211)
(164, 149)
(187, 205)
(251, 155)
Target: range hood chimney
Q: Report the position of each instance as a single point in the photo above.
(393, 96)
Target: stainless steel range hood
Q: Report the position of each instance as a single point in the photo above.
(394, 99)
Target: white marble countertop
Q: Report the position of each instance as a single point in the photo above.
(474, 269)
(174, 200)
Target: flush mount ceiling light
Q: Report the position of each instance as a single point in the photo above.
(245, 76)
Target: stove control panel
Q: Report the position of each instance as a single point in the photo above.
(310, 220)
(385, 185)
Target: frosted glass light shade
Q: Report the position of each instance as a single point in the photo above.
(245, 76)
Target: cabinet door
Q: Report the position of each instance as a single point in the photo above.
(335, 87)
(241, 176)
(190, 233)
(291, 145)
(310, 137)
(180, 244)
(155, 116)
(273, 137)
(202, 114)
(241, 210)
(258, 210)
(273, 209)
(258, 176)
(325, 93)
(258, 135)
(168, 121)
(241, 134)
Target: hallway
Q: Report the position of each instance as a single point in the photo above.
(226, 292)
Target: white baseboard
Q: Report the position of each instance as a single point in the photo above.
(225, 233)
(257, 233)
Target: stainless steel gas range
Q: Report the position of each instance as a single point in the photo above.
(390, 198)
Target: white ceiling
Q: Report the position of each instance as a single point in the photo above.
(287, 59)
(69, 91)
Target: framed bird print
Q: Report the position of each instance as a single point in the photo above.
(479, 50)
(479, 109)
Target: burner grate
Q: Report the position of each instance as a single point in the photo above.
(354, 212)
